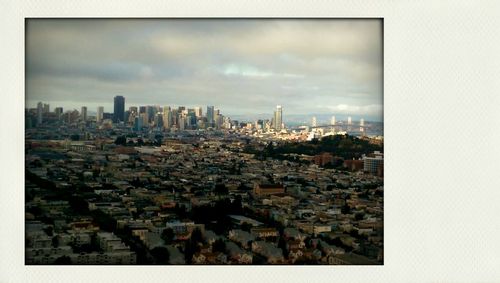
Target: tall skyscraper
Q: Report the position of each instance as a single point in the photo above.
(278, 118)
(158, 120)
(349, 120)
(210, 116)
(46, 108)
(100, 114)
(313, 122)
(362, 122)
(58, 111)
(133, 109)
(119, 109)
(39, 113)
(83, 113)
(197, 111)
(332, 122)
(138, 123)
(150, 111)
(167, 117)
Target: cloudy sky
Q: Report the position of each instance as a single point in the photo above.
(309, 67)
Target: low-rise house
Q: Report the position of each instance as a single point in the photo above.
(241, 237)
(237, 255)
(261, 232)
(271, 252)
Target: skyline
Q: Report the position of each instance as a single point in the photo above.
(326, 117)
(310, 67)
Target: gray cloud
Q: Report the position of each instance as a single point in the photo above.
(241, 66)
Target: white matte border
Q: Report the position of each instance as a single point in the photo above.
(441, 104)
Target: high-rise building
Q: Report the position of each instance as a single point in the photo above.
(175, 117)
(46, 108)
(39, 113)
(167, 117)
(119, 109)
(182, 122)
(150, 111)
(145, 119)
(278, 118)
(83, 113)
(191, 118)
(210, 116)
(362, 122)
(58, 111)
(100, 114)
(218, 119)
(198, 112)
(332, 121)
(138, 123)
(133, 109)
(349, 120)
(158, 120)
(313, 122)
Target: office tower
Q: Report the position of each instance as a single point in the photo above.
(132, 109)
(127, 116)
(349, 120)
(58, 111)
(218, 119)
(138, 123)
(313, 122)
(332, 121)
(72, 116)
(167, 117)
(278, 118)
(156, 109)
(158, 120)
(210, 116)
(175, 117)
(191, 118)
(142, 109)
(100, 114)
(362, 122)
(181, 123)
(145, 119)
(83, 113)
(39, 112)
(46, 108)
(198, 112)
(150, 111)
(119, 109)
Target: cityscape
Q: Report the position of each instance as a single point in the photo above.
(235, 181)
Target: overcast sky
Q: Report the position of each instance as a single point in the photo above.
(239, 66)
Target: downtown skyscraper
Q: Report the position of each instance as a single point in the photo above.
(83, 113)
(210, 116)
(119, 109)
(278, 118)
(100, 114)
